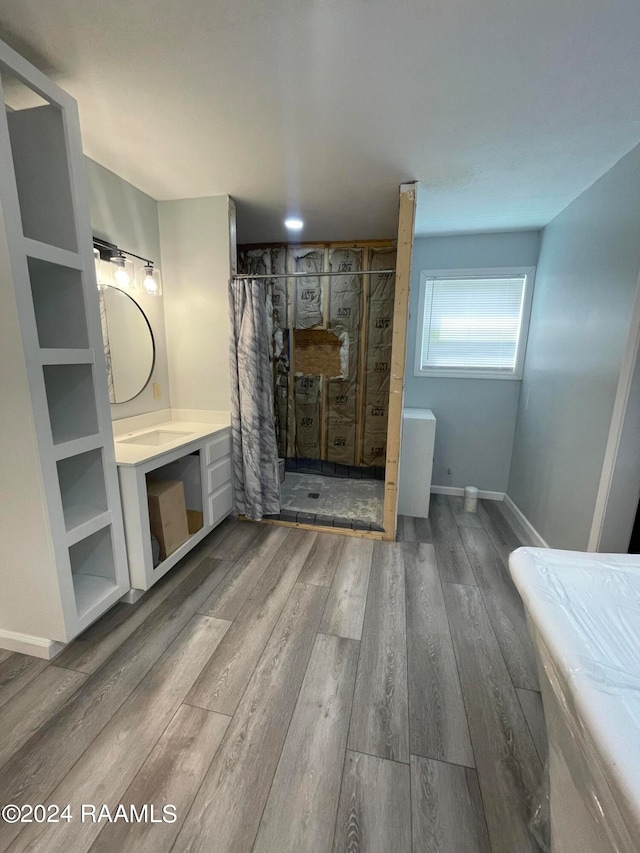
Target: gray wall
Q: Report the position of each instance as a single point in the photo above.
(475, 417)
(585, 286)
(125, 215)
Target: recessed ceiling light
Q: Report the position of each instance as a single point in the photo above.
(293, 223)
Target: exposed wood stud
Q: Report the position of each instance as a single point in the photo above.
(406, 221)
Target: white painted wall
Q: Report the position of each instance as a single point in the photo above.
(123, 214)
(195, 235)
(585, 288)
(475, 417)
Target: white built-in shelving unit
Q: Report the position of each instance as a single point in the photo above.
(47, 252)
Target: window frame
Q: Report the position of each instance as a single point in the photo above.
(476, 272)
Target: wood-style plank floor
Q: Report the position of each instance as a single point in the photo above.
(287, 690)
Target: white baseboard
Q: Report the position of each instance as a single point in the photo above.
(457, 491)
(37, 647)
(533, 534)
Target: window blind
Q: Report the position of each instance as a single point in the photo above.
(472, 323)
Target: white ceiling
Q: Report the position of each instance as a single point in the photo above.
(504, 110)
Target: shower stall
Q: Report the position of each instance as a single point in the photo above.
(330, 311)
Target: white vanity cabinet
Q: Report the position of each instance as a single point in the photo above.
(197, 454)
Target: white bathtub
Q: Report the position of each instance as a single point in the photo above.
(583, 612)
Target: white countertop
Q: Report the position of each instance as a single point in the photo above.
(137, 454)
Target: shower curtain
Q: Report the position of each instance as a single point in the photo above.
(255, 455)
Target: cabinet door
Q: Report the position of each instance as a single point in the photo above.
(220, 504)
(218, 475)
(218, 447)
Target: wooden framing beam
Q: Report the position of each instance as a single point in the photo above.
(406, 221)
(315, 528)
(324, 383)
(334, 244)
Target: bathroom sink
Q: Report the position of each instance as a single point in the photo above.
(155, 437)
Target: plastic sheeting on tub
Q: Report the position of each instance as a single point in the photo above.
(584, 614)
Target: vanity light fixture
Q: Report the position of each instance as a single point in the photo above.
(150, 279)
(122, 269)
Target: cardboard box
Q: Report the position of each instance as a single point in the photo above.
(195, 520)
(167, 514)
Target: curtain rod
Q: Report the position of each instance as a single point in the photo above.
(315, 274)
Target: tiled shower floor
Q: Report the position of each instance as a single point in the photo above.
(341, 497)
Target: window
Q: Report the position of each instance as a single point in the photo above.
(473, 323)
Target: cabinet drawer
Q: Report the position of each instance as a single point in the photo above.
(217, 447)
(220, 504)
(218, 474)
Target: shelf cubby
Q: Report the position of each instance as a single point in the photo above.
(82, 488)
(77, 446)
(52, 254)
(41, 165)
(93, 570)
(66, 356)
(71, 401)
(58, 303)
(186, 469)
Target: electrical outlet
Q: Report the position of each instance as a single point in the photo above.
(157, 391)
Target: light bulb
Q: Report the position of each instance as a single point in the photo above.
(122, 277)
(149, 284)
(123, 271)
(293, 223)
(149, 278)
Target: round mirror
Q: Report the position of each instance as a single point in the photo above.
(128, 344)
